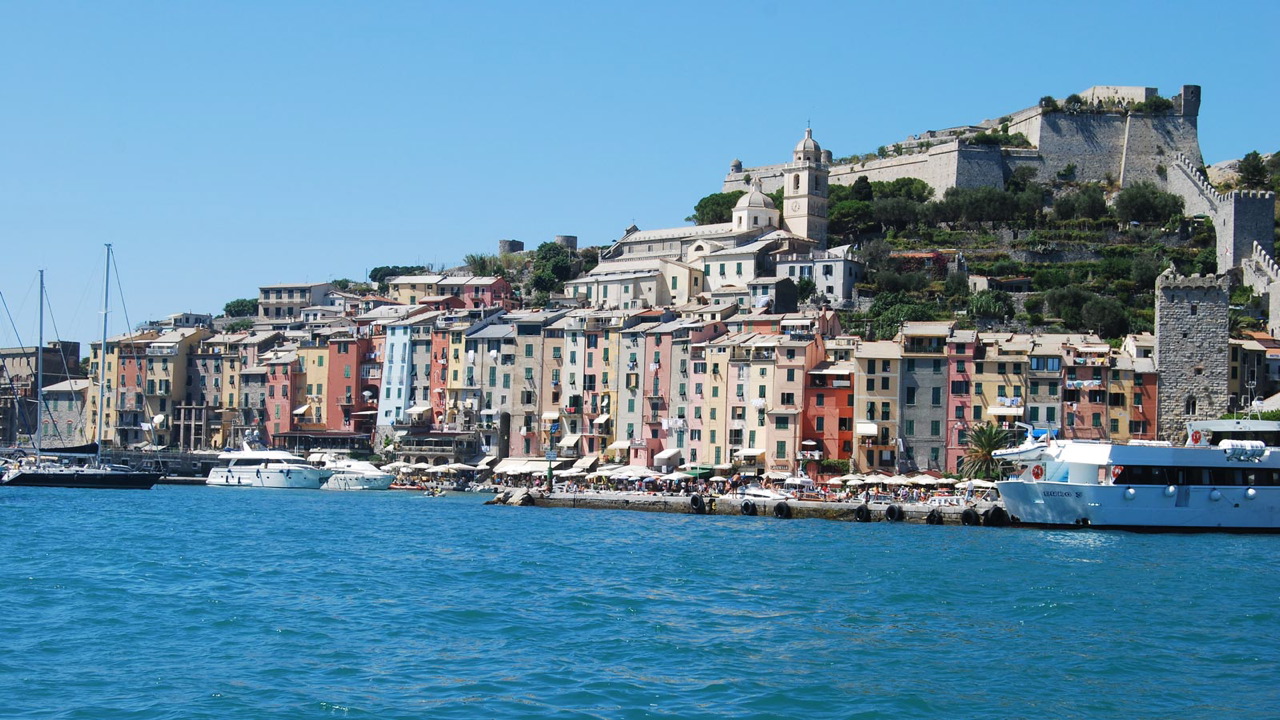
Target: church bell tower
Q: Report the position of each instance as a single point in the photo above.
(804, 194)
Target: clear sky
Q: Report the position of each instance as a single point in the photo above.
(221, 146)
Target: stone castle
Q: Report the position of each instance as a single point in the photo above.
(1101, 139)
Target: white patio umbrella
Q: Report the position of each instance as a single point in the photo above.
(833, 481)
(677, 476)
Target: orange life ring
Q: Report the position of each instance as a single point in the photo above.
(1196, 437)
(1037, 471)
(1115, 471)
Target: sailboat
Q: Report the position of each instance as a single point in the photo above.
(42, 471)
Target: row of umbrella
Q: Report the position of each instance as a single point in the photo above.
(404, 467)
(923, 480)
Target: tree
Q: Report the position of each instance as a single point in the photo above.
(991, 304)
(381, 274)
(1144, 270)
(481, 264)
(957, 285)
(861, 189)
(244, 307)
(715, 208)
(552, 265)
(590, 257)
(895, 212)
(1105, 316)
(980, 461)
(239, 325)
(1144, 202)
(805, 289)
(1066, 303)
(1049, 104)
(1091, 202)
(1253, 172)
(876, 254)
(850, 216)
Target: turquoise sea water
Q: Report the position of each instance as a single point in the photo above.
(193, 602)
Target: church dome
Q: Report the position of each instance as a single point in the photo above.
(754, 198)
(808, 144)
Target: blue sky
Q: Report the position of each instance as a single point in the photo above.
(221, 146)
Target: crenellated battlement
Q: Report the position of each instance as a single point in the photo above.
(1169, 280)
(1193, 170)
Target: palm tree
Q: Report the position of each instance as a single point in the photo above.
(979, 461)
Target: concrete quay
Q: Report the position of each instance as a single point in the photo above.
(982, 513)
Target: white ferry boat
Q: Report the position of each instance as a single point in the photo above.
(1233, 485)
(256, 467)
(349, 474)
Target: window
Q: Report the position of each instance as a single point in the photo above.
(1115, 425)
(788, 398)
(935, 428)
(1051, 415)
(959, 413)
(978, 367)
(1097, 419)
(959, 366)
(1053, 389)
(911, 396)
(884, 411)
(1189, 405)
(977, 388)
(911, 364)
(781, 423)
(959, 387)
(791, 375)
(977, 412)
(884, 382)
(781, 453)
(871, 384)
(909, 427)
(819, 399)
(1000, 368)
(936, 399)
(1137, 399)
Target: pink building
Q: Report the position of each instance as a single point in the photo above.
(960, 350)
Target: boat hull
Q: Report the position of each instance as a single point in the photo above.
(291, 479)
(1188, 508)
(87, 479)
(357, 481)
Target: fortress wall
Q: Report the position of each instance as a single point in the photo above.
(1155, 141)
(980, 166)
(1093, 143)
(1240, 219)
(936, 166)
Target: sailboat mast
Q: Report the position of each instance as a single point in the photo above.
(40, 375)
(102, 359)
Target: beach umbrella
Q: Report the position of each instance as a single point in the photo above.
(833, 481)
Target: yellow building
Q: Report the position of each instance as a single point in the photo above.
(876, 399)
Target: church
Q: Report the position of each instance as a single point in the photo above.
(672, 266)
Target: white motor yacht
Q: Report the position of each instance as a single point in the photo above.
(349, 474)
(1233, 485)
(258, 467)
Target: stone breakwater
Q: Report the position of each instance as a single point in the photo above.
(982, 513)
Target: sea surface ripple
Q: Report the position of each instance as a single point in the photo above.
(194, 602)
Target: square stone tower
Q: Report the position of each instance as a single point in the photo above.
(1191, 349)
